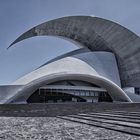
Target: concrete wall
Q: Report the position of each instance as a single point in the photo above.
(52, 110)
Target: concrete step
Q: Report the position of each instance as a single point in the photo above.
(117, 122)
(124, 113)
(130, 112)
(111, 118)
(117, 115)
(120, 126)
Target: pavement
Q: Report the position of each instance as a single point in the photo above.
(52, 128)
(41, 122)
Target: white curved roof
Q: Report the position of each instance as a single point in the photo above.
(66, 65)
(66, 68)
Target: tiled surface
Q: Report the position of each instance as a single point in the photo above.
(51, 128)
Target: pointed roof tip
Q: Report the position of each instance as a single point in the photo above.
(10, 45)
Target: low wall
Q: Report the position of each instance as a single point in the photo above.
(52, 110)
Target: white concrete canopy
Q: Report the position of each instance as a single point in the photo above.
(68, 68)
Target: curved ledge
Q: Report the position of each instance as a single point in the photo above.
(115, 91)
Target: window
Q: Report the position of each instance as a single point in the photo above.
(137, 91)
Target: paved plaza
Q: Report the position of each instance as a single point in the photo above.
(52, 128)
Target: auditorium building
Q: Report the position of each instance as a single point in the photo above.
(104, 68)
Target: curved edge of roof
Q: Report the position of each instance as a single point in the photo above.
(97, 34)
(77, 51)
(115, 91)
(31, 33)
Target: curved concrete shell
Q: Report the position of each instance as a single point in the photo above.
(99, 62)
(97, 34)
(115, 91)
(72, 53)
(91, 67)
(68, 68)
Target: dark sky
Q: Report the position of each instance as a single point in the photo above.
(17, 16)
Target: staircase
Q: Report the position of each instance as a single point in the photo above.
(121, 121)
